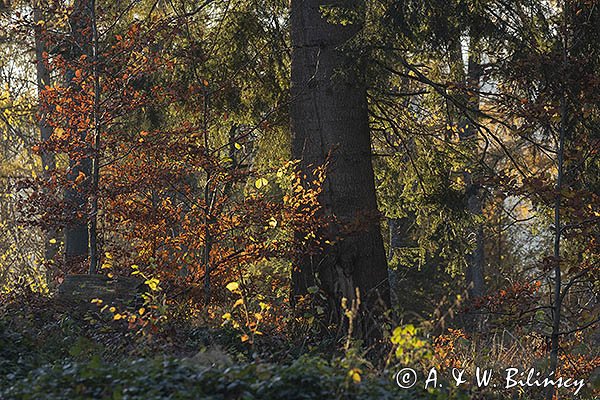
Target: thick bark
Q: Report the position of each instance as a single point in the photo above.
(76, 194)
(329, 114)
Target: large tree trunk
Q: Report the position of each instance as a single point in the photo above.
(76, 194)
(329, 113)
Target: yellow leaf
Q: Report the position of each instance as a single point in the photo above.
(152, 284)
(112, 309)
(232, 286)
(226, 316)
(244, 338)
(118, 317)
(141, 311)
(260, 182)
(258, 316)
(239, 302)
(272, 222)
(59, 132)
(52, 241)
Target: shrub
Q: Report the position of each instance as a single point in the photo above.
(165, 378)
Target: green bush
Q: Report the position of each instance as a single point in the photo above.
(160, 378)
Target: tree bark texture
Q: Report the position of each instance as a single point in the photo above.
(329, 114)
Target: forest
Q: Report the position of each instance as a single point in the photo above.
(300, 199)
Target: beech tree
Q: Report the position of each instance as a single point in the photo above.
(330, 123)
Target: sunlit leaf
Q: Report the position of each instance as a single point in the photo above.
(238, 302)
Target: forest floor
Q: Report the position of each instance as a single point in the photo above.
(49, 352)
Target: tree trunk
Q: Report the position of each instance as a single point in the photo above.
(476, 259)
(558, 220)
(467, 128)
(48, 159)
(329, 113)
(399, 236)
(76, 194)
(95, 167)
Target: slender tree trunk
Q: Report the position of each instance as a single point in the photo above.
(329, 114)
(399, 232)
(208, 198)
(476, 259)
(76, 194)
(93, 217)
(467, 120)
(560, 153)
(557, 306)
(48, 159)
